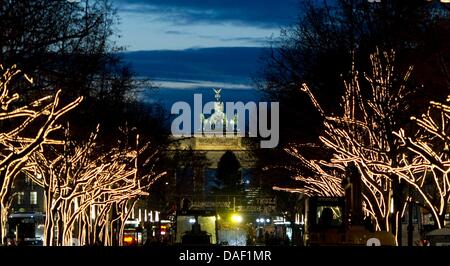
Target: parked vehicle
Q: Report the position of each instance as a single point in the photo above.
(438, 237)
(26, 229)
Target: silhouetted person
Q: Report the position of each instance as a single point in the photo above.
(186, 204)
(260, 234)
(272, 239)
(250, 241)
(196, 228)
(196, 236)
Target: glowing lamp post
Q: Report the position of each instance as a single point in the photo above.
(236, 218)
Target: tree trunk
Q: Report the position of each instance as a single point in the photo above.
(4, 220)
(49, 226)
(440, 221)
(49, 229)
(60, 223)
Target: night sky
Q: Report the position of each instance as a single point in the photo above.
(198, 45)
(181, 24)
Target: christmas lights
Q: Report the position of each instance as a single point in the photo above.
(89, 191)
(361, 135)
(425, 166)
(25, 129)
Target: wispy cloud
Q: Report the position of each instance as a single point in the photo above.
(197, 84)
(252, 40)
(261, 13)
(257, 41)
(176, 32)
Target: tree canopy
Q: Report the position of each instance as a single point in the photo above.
(229, 174)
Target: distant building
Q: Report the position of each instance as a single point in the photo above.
(193, 178)
(27, 196)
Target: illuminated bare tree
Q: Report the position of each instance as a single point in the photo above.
(318, 179)
(24, 129)
(89, 190)
(362, 135)
(425, 163)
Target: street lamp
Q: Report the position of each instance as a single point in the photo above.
(236, 218)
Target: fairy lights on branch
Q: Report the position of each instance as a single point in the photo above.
(324, 179)
(361, 135)
(25, 128)
(425, 165)
(89, 191)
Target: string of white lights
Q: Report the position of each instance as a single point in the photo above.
(31, 125)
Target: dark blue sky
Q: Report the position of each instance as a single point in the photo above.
(171, 32)
(180, 74)
(181, 24)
